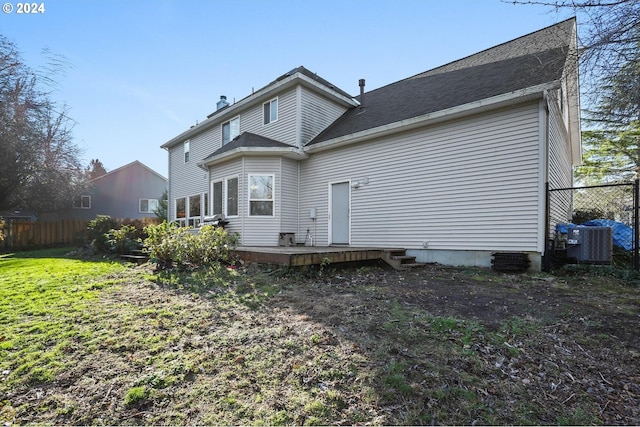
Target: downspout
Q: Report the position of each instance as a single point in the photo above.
(544, 213)
(245, 203)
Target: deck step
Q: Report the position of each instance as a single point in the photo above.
(398, 259)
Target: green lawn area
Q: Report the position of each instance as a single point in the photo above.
(43, 299)
(95, 341)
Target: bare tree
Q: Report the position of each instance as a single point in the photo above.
(608, 34)
(39, 167)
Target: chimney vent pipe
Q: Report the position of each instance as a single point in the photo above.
(361, 84)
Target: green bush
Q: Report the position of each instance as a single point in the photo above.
(98, 230)
(123, 240)
(169, 244)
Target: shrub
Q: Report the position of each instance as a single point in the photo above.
(123, 240)
(168, 243)
(98, 230)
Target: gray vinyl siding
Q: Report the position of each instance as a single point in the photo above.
(471, 184)
(560, 168)
(187, 179)
(261, 230)
(283, 129)
(317, 112)
(289, 197)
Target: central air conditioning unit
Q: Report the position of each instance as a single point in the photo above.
(590, 245)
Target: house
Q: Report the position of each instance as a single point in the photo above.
(130, 191)
(450, 164)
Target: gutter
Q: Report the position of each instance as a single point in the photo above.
(291, 152)
(515, 97)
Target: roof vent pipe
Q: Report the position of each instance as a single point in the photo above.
(222, 103)
(361, 84)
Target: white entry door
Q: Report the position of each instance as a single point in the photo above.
(339, 200)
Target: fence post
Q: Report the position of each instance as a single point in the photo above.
(636, 224)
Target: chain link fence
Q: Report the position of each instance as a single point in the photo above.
(612, 205)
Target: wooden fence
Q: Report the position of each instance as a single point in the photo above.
(25, 234)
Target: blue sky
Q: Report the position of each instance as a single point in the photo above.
(142, 71)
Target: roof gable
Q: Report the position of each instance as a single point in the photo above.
(134, 164)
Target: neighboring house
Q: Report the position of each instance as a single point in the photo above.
(131, 191)
(450, 164)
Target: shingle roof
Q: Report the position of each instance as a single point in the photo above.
(244, 140)
(528, 61)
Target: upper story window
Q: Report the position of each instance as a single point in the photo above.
(82, 202)
(230, 130)
(186, 151)
(270, 111)
(148, 205)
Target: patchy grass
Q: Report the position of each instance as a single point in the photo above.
(90, 342)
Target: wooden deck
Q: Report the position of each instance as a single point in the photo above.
(298, 256)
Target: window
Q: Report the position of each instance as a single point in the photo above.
(216, 190)
(232, 197)
(82, 202)
(261, 195)
(270, 111)
(181, 210)
(148, 205)
(206, 204)
(186, 150)
(225, 203)
(230, 130)
(194, 210)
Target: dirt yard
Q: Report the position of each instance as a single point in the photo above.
(366, 345)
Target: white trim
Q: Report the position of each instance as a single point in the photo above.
(330, 205)
(294, 153)
(81, 200)
(211, 184)
(270, 103)
(186, 151)
(140, 199)
(543, 170)
(226, 198)
(273, 195)
(231, 136)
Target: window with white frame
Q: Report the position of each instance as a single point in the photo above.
(216, 197)
(224, 195)
(82, 202)
(186, 150)
(147, 205)
(270, 110)
(261, 195)
(232, 196)
(181, 210)
(194, 211)
(230, 130)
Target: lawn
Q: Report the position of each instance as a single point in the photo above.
(91, 341)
